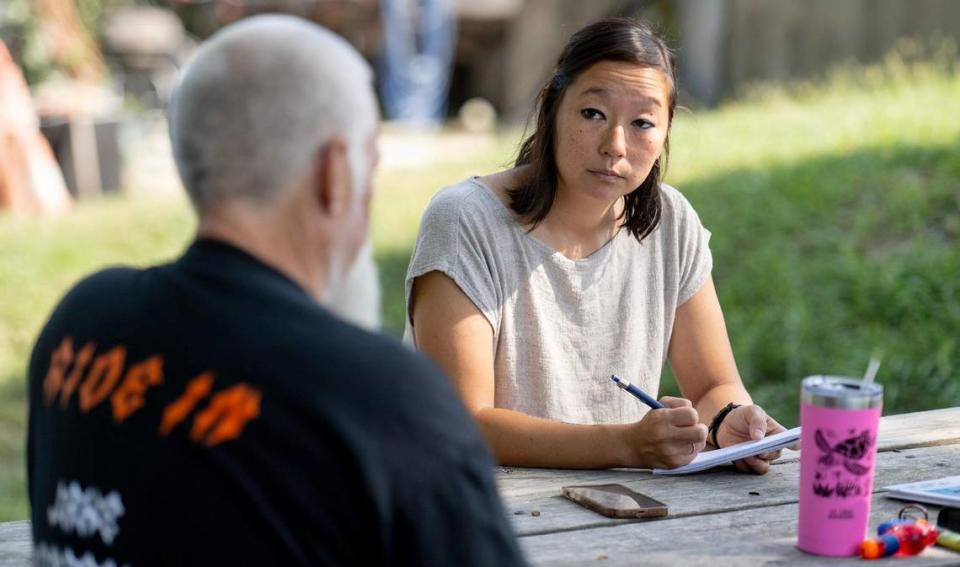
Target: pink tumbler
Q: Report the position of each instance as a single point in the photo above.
(839, 421)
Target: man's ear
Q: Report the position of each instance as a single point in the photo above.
(332, 177)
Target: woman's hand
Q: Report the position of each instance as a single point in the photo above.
(749, 423)
(665, 438)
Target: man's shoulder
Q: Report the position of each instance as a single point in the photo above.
(402, 395)
(104, 289)
(95, 302)
(368, 360)
(106, 278)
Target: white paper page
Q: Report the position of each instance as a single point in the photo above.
(943, 491)
(710, 459)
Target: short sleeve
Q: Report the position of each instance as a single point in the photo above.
(695, 258)
(455, 238)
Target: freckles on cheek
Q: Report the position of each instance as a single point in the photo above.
(653, 145)
(574, 139)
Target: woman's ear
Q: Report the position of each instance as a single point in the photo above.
(332, 183)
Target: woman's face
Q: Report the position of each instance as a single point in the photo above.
(611, 126)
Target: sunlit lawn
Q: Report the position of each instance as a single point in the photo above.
(835, 216)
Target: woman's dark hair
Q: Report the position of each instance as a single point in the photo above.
(611, 39)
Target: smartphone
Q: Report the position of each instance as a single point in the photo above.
(615, 501)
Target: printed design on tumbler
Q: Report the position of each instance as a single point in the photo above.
(840, 471)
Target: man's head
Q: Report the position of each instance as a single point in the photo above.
(276, 117)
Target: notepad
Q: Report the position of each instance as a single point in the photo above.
(942, 491)
(710, 459)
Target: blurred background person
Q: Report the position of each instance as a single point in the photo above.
(30, 179)
(418, 42)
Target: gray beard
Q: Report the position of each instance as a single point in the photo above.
(355, 295)
(353, 288)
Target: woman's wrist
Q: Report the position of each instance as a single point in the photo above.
(623, 441)
(614, 442)
(717, 422)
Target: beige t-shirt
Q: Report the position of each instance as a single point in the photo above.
(561, 327)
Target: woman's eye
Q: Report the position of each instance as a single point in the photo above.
(643, 124)
(591, 114)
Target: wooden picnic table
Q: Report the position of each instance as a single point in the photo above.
(716, 518)
(719, 517)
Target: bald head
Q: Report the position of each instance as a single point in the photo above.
(258, 102)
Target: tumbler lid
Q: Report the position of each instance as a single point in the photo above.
(841, 392)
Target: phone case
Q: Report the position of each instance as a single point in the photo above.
(615, 501)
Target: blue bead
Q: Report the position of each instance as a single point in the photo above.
(891, 545)
(885, 527)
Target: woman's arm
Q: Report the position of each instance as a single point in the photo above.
(450, 329)
(702, 360)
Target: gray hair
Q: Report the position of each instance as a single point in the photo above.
(258, 101)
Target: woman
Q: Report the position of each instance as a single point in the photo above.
(532, 286)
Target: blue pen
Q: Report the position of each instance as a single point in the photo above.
(637, 392)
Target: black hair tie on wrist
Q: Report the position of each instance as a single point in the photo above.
(718, 419)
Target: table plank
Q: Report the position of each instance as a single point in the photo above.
(704, 493)
(766, 536)
(15, 544)
(919, 429)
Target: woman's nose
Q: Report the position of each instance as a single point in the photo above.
(614, 143)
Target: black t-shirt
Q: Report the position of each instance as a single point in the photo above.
(209, 412)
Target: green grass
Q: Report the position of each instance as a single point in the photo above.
(835, 213)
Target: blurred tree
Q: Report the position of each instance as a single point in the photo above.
(93, 12)
(48, 37)
(68, 43)
(18, 29)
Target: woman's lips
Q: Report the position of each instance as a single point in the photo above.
(606, 175)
